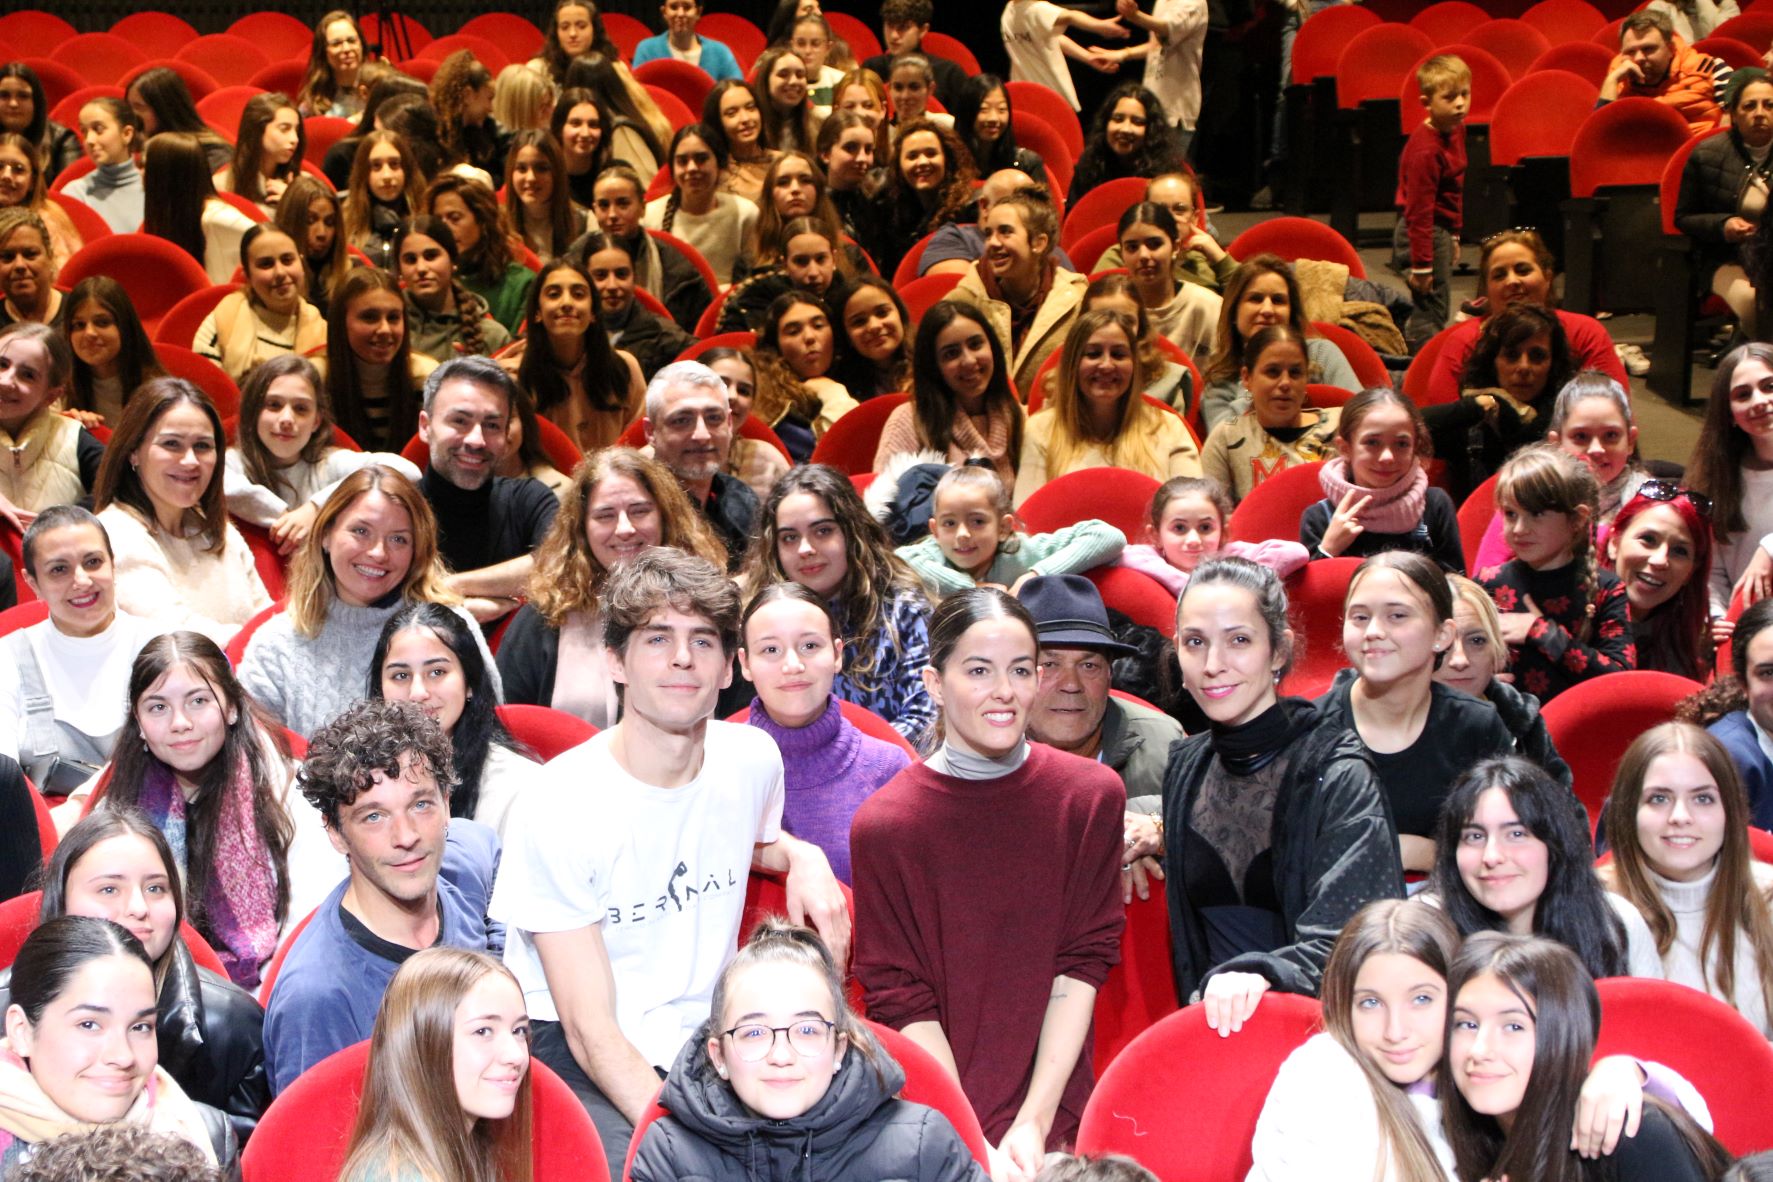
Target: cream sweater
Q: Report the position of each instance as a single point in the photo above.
(177, 584)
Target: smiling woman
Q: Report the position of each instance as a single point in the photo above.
(581, 383)
(372, 549)
(268, 316)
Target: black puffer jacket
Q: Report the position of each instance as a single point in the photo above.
(1334, 851)
(211, 1037)
(856, 1131)
(1712, 185)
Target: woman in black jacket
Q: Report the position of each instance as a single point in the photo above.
(1276, 829)
(1724, 191)
(115, 864)
(837, 1120)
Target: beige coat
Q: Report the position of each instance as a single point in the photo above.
(1044, 336)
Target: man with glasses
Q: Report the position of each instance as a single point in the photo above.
(690, 426)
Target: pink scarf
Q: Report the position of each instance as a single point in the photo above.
(1393, 510)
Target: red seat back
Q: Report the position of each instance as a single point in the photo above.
(47, 837)
(860, 717)
(229, 59)
(862, 41)
(180, 323)
(1449, 20)
(156, 34)
(285, 77)
(12, 545)
(276, 33)
(1297, 238)
(154, 272)
(18, 919)
(211, 378)
(1139, 597)
(720, 340)
(1564, 21)
(1141, 989)
(692, 254)
(401, 34)
(547, 731)
(518, 38)
(222, 110)
(1540, 116)
(1608, 35)
(30, 28)
(689, 84)
(199, 81)
(1120, 497)
(1731, 1065)
(1320, 40)
(677, 112)
(98, 57)
(1101, 206)
(922, 294)
(954, 49)
(1489, 79)
(1368, 366)
(1051, 108)
(1516, 44)
(626, 32)
(1041, 138)
(906, 272)
(1625, 143)
(745, 39)
(1670, 190)
(304, 1134)
(1183, 1102)
(1475, 513)
(1594, 721)
(1754, 29)
(1585, 59)
(87, 222)
(1087, 252)
(1273, 508)
(1375, 62)
(1314, 596)
(268, 976)
(67, 113)
(236, 646)
(323, 132)
(849, 444)
(23, 615)
(1733, 53)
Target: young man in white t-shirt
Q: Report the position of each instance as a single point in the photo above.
(1034, 34)
(624, 885)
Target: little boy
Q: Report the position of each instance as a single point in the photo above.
(1431, 194)
(973, 540)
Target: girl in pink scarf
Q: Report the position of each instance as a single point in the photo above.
(1376, 493)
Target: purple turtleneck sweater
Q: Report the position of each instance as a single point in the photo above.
(830, 769)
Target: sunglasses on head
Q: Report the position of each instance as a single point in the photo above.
(1668, 490)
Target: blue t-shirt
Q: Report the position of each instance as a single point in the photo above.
(331, 984)
(717, 61)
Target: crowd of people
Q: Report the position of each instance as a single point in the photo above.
(483, 450)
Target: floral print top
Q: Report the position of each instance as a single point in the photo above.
(1553, 659)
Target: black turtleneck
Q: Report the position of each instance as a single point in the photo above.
(501, 520)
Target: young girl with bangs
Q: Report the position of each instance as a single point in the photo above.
(112, 353)
(961, 401)
(785, 107)
(1565, 619)
(372, 549)
(447, 1088)
(1166, 379)
(1397, 623)
(1099, 416)
(1357, 1103)
(373, 378)
(1677, 824)
(1261, 293)
(1376, 493)
(619, 504)
(1278, 430)
(1512, 853)
(1188, 314)
(1660, 547)
(1186, 524)
(794, 186)
(931, 186)
(813, 529)
(714, 221)
(1522, 1019)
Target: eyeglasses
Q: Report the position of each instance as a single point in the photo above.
(806, 1038)
(1668, 490)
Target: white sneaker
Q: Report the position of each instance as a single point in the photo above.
(1634, 359)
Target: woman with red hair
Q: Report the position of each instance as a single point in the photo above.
(1660, 548)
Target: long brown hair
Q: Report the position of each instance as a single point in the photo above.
(770, 236)
(1228, 346)
(343, 385)
(249, 147)
(176, 185)
(354, 210)
(1716, 466)
(319, 87)
(410, 1122)
(492, 254)
(1734, 907)
(119, 482)
(136, 361)
(312, 589)
(292, 218)
(1395, 927)
(255, 457)
(253, 737)
(606, 375)
(561, 223)
(1545, 478)
(568, 578)
(459, 76)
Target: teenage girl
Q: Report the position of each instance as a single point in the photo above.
(1733, 464)
(1678, 828)
(285, 462)
(1521, 1025)
(1185, 525)
(962, 404)
(814, 529)
(1397, 623)
(1187, 313)
(974, 542)
(112, 135)
(112, 353)
(1376, 494)
(1279, 430)
(1565, 619)
(308, 212)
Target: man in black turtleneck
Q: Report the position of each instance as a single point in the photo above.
(487, 526)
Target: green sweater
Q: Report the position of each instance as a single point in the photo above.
(1071, 550)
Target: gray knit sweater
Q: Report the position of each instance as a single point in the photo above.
(308, 682)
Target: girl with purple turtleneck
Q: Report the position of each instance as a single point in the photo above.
(788, 650)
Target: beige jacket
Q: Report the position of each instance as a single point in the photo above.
(1045, 335)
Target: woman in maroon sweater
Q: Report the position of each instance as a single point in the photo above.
(988, 907)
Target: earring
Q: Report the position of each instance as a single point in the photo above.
(722, 1072)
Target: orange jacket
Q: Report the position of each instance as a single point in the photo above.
(1691, 87)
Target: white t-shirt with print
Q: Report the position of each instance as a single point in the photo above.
(663, 870)
(1031, 34)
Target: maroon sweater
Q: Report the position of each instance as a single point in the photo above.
(1431, 186)
(972, 895)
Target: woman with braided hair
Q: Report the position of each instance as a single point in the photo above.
(696, 209)
(443, 317)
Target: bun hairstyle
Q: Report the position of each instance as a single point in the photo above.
(1263, 586)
